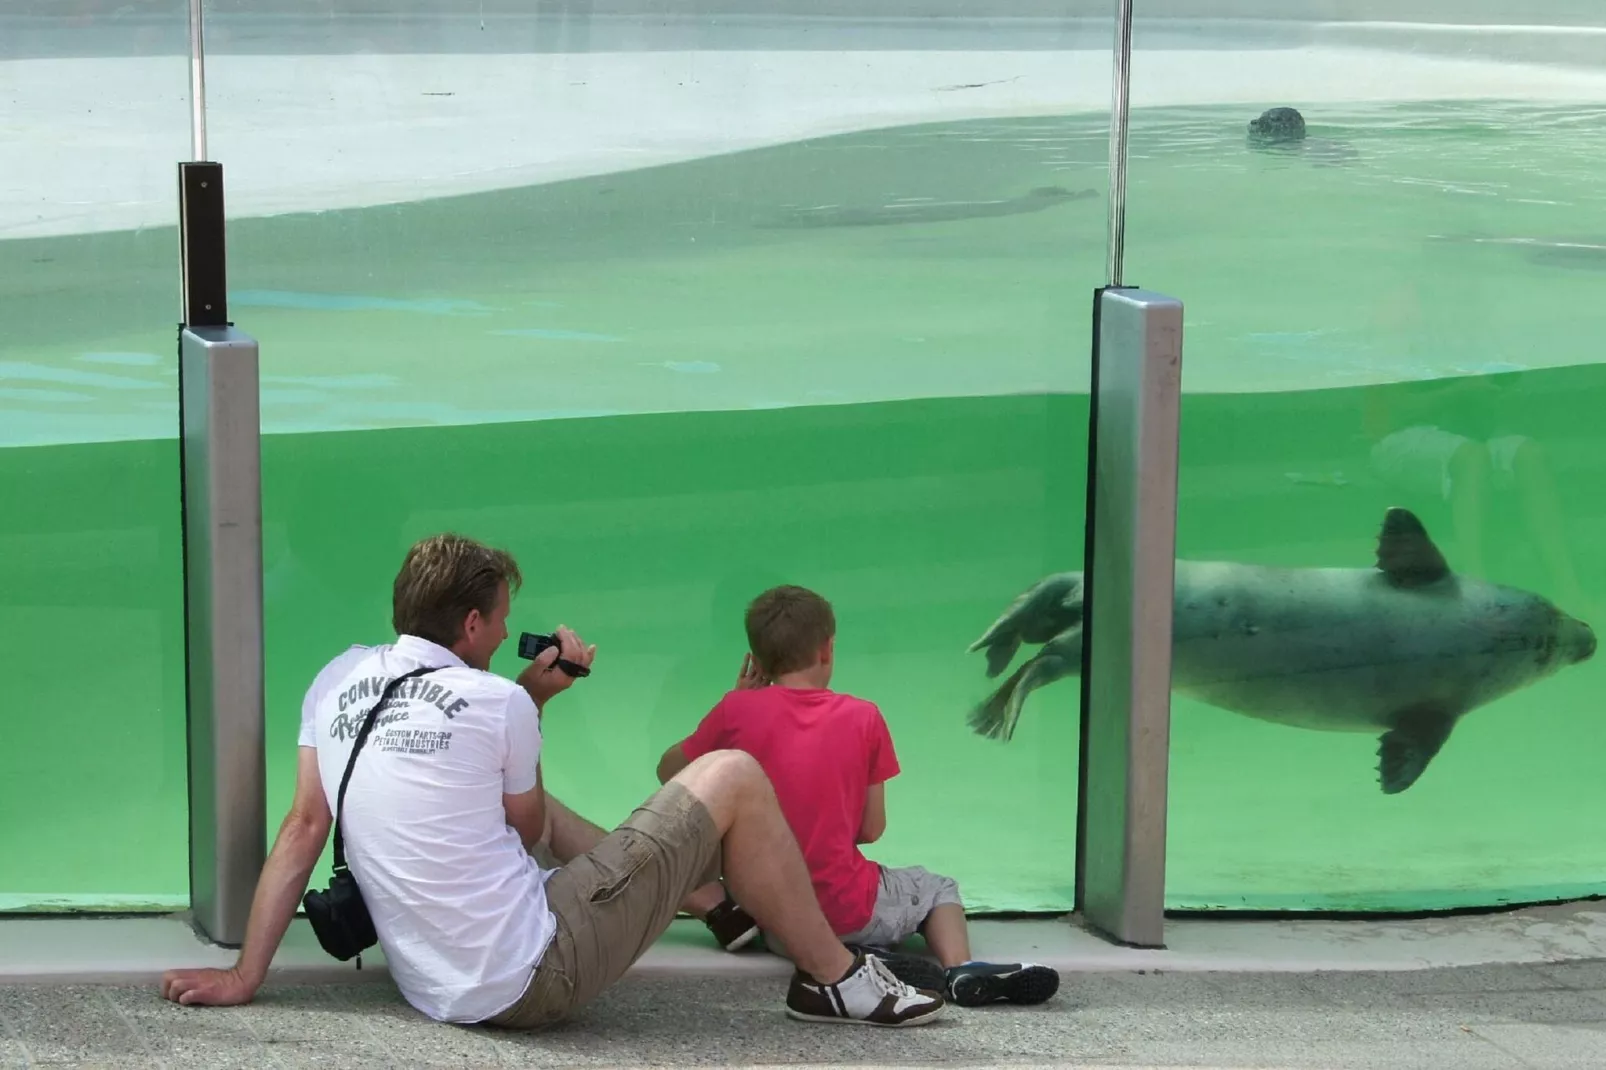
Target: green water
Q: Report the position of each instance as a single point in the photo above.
(902, 432)
(1268, 817)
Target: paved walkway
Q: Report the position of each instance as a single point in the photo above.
(1471, 1018)
(1530, 991)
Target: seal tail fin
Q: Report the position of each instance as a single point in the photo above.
(1060, 657)
(996, 717)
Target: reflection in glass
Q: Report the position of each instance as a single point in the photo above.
(1391, 304)
(92, 773)
(676, 310)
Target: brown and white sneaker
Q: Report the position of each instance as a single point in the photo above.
(869, 994)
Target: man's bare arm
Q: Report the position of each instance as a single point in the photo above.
(527, 812)
(296, 849)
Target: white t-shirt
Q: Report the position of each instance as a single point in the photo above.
(457, 902)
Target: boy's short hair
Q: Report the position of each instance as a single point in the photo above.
(786, 627)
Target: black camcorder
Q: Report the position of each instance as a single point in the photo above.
(531, 645)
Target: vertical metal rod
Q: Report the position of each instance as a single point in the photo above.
(1119, 121)
(197, 82)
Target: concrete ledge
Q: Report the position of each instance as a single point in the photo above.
(137, 950)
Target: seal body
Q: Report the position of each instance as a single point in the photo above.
(1343, 649)
(1403, 650)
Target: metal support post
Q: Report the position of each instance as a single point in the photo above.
(1126, 658)
(220, 462)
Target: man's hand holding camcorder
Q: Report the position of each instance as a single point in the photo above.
(544, 677)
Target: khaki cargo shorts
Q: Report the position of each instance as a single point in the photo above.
(612, 902)
(905, 898)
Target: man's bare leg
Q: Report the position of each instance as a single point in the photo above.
(762, 862)
(568, 836)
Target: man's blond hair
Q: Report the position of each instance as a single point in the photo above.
(444, 577)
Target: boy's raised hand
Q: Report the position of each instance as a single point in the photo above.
(750, 677)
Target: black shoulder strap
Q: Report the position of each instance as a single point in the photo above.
(362, 737)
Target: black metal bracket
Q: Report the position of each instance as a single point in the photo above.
(203, 259)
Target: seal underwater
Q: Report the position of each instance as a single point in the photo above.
(1404, 649)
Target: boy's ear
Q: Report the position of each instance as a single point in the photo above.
(829, 652)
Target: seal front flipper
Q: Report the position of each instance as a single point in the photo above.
(1405, 554)
(1037, 615)
(1405, 750)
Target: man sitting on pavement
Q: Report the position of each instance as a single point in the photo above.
(446, 800)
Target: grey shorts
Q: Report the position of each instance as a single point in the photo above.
(905, 899)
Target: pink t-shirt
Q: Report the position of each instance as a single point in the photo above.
(822, 751)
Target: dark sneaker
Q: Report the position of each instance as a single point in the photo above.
(732, 926)
(868, 995)
(912, 970)
(978, 983)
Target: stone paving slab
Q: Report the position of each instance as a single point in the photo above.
(1480, 1018)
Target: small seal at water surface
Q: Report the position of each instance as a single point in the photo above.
(1403, 649)
(1277, 126)
(1282, 130)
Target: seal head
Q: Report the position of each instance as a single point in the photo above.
(1277, 126)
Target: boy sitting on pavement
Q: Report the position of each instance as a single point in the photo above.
(829, 756)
